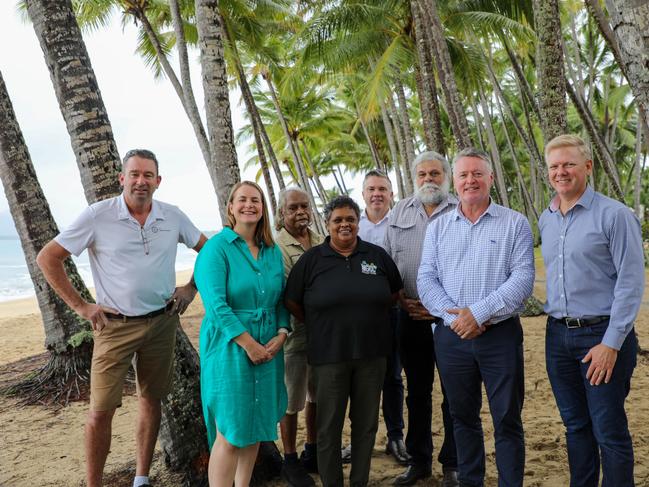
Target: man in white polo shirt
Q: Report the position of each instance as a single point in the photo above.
(132, 241)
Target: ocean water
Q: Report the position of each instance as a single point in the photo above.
(15, 282)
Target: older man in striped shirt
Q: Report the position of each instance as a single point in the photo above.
(477, 268)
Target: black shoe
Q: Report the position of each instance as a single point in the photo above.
(309, 458)
(397, 449)
(296, 475)
(412, 474)
(346, 454)
(450, 479)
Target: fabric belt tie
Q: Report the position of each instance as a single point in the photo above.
(569, 322)
(124, 319)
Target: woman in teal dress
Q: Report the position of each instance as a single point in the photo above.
(240, 276)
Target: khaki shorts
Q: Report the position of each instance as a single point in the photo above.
(148, 343)
(298, 378)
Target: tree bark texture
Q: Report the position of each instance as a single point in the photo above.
(630, 22)
(442, 59)
(224, 169)
(36, 227)
(550, 71)
(389, 134)
(433, 134)
(78, 95)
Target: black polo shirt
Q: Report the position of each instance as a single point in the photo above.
(346, 301)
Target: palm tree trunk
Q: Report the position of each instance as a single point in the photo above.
(442, 59)
(389, 134)
(630, 23)
(427, 87)
(77, 92)
(550, 72)
(189, 101)
(637, 188)
(408, 135)
(495, 155)
(370, 143)
(65, 376)
(601, 148)
(314, 175)
(224, 169)
(401, 144)
(521, 80)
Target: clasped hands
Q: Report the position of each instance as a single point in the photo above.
(258, 353)
(465, 325)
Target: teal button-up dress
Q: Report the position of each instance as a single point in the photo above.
(243, 401)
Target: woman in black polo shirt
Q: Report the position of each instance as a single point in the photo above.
(343, 290)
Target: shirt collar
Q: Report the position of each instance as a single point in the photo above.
(362, 247)
(285, 238)
(157, 213)
(585, 200)
(492, 210)
(229, 234)
(364, 217)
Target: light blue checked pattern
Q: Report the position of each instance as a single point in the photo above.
(487, 266)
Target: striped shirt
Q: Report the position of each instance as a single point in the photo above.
(487, 266)
(404, 237)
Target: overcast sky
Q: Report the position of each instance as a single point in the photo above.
(143, 112)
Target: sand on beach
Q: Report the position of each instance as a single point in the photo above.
(41, 446)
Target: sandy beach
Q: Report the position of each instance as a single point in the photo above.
(44, 446)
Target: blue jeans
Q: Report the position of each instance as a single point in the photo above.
(495, 358)
(393, 383)
(594, 416)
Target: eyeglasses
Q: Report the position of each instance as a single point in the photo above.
(145, 241)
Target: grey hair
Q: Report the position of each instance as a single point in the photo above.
(378, 174)
(281, 204)
(430, 156)
(341, 201)
(142, 153)
(474, 152)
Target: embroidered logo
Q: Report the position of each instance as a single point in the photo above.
(368, 268)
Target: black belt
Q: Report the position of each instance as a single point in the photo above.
(569, 322)
(124, 319)
(511, 319)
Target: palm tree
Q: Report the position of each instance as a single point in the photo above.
(65, 375)
(79, 97)
(629, 22)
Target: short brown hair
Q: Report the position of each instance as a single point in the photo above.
(569, 140)
(263, 233)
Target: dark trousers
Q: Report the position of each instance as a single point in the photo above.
(393, 383)
(495, 358)
(418, 359)
(360, 381)
(594, 416)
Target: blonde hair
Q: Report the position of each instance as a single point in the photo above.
(263, 233)
(569, 140)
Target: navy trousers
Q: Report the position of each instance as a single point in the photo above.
(495, 358)
(393, 383)
(418, 359)
(597, 431)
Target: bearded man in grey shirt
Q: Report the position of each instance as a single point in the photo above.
(404, 239)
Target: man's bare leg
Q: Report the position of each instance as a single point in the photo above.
(148, 424)
(288, 431)
(97, 442)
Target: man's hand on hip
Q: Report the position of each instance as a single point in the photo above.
(94, 314)
(465, 326)
(181, 299)
(602, 361)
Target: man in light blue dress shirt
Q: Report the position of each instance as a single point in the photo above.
(477, 268)
(592, 249)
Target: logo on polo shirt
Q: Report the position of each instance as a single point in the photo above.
(368, 268)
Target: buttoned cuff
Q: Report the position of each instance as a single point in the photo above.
(613, 338)
(480, 312)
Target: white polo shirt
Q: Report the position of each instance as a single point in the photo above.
(133, 266)
(373, 232)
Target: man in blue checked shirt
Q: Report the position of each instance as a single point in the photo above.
(592, 249)
(477, 268)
